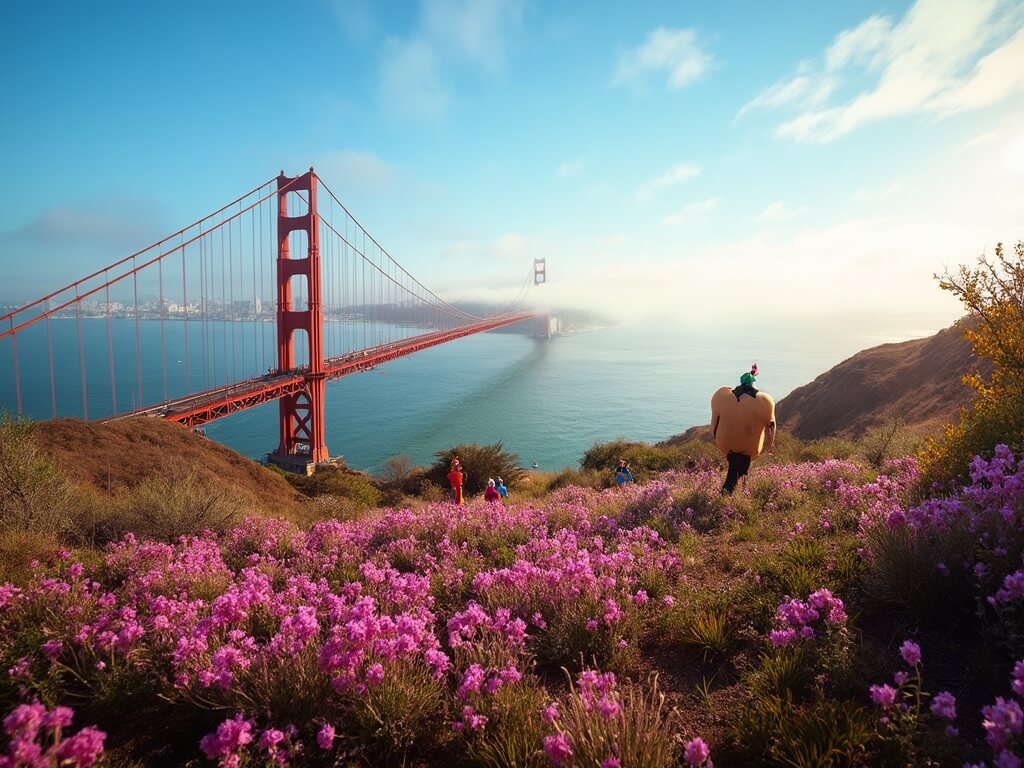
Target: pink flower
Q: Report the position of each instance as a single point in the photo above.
(883, 696)
(911, 652)
(550, 713)
(58, 717)
(944, 705)
(558, 749)
(1003, 720)
(611, 762)
(697, 753)
(1018, 678)
(83, 749)
(24, 721)
(608, 708)
(668, 601)
(325, 736)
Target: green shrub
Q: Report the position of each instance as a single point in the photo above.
(889, 440)
(18, 548)
(703, 508)
(775, 731)
(991, 293)
(584, 478)
(339, 481)
(785, 673)
(34, 494)
(901, 570)
(179, 503)
(640, 735)
(797, 570)
(514, 732)
(709, 630)
(792, 450)
(643, 459)
(479, 464)
(405, 714)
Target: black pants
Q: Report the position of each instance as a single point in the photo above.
(739, 464)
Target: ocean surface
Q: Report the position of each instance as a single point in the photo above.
(546, 400)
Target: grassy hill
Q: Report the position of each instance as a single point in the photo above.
(917, 382)
(118, 457)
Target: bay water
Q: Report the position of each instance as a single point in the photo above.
(545, 400)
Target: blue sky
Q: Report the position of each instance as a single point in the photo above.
(692, 162)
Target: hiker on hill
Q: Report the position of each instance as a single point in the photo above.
(743, 423)
(501, 489)
(622, 474)
(491, 493)
(456, 478)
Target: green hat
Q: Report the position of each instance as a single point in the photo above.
(747, 379)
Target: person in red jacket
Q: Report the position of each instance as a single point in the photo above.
(455, 477)
(491, 494)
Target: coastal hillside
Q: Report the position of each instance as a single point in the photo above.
(918, 382)
(117, 457)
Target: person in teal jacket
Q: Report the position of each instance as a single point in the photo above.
(502, 490)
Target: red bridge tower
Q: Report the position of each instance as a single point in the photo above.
(302, 414)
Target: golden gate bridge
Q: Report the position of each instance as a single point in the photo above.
(337, 302)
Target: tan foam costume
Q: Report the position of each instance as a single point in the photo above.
(739, 425)
(740, 418)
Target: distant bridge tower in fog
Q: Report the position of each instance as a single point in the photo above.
(546, 326)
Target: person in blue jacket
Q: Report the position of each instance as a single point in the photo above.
(622, 474)
(502, 490)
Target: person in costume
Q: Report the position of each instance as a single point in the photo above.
(743, 424)
(491, 493)
(455, 477)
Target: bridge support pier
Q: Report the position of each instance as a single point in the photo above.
(301, 415)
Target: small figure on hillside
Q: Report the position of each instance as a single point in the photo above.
(742, 422)
(501, 489)
(622, 474)
(456, 478)
(491, 493)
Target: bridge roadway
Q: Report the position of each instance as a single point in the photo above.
(203, 407)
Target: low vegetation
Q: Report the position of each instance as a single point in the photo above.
(850, 605)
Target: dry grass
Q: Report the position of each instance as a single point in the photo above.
(119, 457)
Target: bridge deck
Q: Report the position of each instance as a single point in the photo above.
(207, 406)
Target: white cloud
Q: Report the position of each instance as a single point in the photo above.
(677, 174)
(569, 168)
(672, 51)
(128, 226)
(512, 247)
(692, 213)
(474, 29)
(355, 17)
(410, 83)
(449, 32)
(359, 170)
(779, 212)
(1013, 155)
(940, 58)
(884, 192)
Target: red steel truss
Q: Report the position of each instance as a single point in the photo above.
(205, 407)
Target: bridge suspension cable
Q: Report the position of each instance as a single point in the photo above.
(192, 316)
